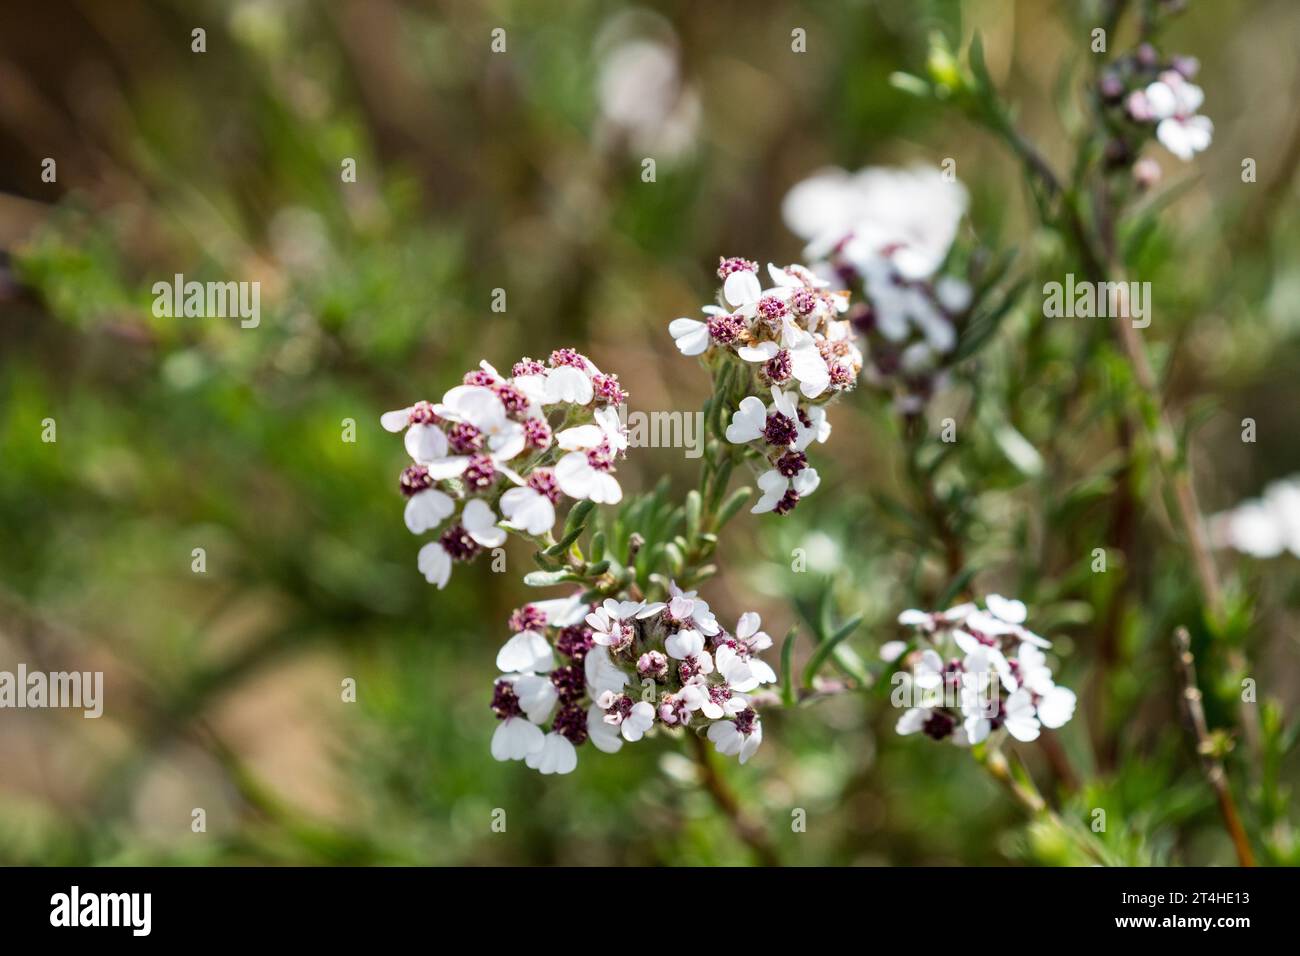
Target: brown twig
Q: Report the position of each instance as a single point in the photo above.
(1210, 762)
(727, 802)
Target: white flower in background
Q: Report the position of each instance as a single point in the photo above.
(646, 103)
(434, 562)
(531, 508)
(483, 409)
(601, 673)
(1262, 527)
(734, 669)
(537, 696)
(909, 216)
(986, 638)
(1020, 719)
(609, 623)
(1172, 103)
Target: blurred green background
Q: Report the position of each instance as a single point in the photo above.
(522, 171)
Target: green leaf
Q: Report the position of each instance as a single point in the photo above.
(733, 504)
(544, 579)
(693, 505)
(787, 667)
(578, 515)
(563, 544)
(826, 648)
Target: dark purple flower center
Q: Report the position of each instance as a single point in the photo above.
(464, 438)
(791, 463)
(803, 302)
(571, 724)
(735, 264)
(527, 366)
(479, 377)
(608, 390)
(772, 308)
(457, 543)
(505, 703)
(574, 642)
(543, 482)
(422, 413)
(746, 721)
(415, 478)
(787, 502)
(938, 725)
(537, 432)
(780, 429)
(480, 473)
(725, 329)
(568, 357)
(527, 618)
(778, 367)
(570, 683)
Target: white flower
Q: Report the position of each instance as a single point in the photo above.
(748, 421)
(601, 673)
(556, 755)
(526, 653)
(729, 739)
(911, 215)
(1263, 527)
(607, 622)
(1019, 718)
(608, 430)
(690, 336)
(515, 738)
(891, 651)
(480, 523)
(1056, 707)
(1034, 672)
(528, 510)
(912, 720)
(975, 707)
(635, 723)
(685, 644)
(604, 736)
(537, 696)
(434, 563)
(480, 407)
(567, 383)
(927, 672)
(579, 478)
(686, 606)
(734, 669)
(426, 509)
(755, 641)
(774, 486)
(696, 696)
(1173, 102)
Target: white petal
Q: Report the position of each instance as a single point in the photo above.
(395, 421)
(741, 288)
(515, 739)
(526, 652)
(425, 442)
(435, 564)
(426, 510)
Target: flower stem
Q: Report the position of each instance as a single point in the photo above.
(1210, 762)
(725, 799)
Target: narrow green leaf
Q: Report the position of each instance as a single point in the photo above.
(787, 667)
(693, 505)
(825, 648)
(738, 499)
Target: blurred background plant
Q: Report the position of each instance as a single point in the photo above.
(524, 170)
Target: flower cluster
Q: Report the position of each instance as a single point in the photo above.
(890, 231)
(961, 667)
(611, 673)
(789, 341)
(518, 443)
(1142, 93)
